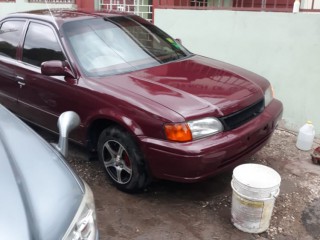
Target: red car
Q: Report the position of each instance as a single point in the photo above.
(149, 107)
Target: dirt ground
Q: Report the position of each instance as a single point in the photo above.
(203, 211)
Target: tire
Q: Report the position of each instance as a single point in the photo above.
(122, 160)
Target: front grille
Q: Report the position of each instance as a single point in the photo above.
(239, 118)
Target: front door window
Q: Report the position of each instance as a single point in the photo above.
(41, 45)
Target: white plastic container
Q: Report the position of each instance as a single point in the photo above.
(306, 137)
(255, 188)
(296, 6)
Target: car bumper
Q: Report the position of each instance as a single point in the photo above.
(203, 158)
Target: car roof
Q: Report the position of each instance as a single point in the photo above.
(60, 16)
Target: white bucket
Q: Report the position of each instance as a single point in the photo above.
(255, 188)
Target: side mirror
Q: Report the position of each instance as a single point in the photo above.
(56, 68)
(66, 123)
(178, 40)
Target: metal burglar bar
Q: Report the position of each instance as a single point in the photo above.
(52, 1)
(199, 3)
(240, 5)
(264, 4)
(143, 8)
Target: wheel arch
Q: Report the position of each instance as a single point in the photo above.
(101, 122)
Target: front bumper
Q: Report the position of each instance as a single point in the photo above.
(203, 158)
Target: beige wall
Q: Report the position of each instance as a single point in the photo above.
(283, 47)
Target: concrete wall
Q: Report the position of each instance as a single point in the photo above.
(24, 5)
(282, 47)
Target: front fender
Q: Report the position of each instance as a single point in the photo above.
(112, 116)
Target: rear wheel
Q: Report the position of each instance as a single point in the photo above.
(122, 160)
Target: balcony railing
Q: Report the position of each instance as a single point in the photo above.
(240, 5)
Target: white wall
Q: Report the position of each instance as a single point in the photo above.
(307, 4)
(24, 5)
(283, 47)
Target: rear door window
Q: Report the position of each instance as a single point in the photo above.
(41, 45)
(10, 33)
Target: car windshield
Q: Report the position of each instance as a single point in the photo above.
(119, 44)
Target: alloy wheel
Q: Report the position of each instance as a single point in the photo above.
(117, 162)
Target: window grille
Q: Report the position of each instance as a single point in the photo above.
(143, 8)
(52, 1)
(199, 3)
(240, 5)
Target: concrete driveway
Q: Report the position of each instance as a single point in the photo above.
(174, 211)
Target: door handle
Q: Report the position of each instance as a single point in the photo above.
(19, 78)
(20, 81)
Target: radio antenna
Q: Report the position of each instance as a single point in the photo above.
(48, 7)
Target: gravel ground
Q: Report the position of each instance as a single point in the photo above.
(175, 211)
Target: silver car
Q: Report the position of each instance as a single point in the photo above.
(41, 197)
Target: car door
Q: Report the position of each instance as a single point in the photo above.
(43, 98)
(10, 37)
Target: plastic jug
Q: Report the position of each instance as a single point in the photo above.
(306, 136)
(296, 6)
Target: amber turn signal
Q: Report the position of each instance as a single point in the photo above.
(179, 132)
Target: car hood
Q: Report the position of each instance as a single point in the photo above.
(40, 194)
(196, 86)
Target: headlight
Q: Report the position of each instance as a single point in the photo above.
(84, 225)
(205, 127)
(268, 96)
(183, 132)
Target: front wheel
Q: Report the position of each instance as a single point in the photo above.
(122, 160)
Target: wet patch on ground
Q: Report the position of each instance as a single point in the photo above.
(311, 218)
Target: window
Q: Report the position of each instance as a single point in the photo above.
(51, 1)
(242, 5)
(275, 4)
(10, 33)
(199, 3)
(41, 45)
(119, 44)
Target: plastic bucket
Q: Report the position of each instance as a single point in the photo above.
(255, 188)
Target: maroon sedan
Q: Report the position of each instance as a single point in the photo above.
(149, 107)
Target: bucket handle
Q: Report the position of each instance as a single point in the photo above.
(272, 195)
